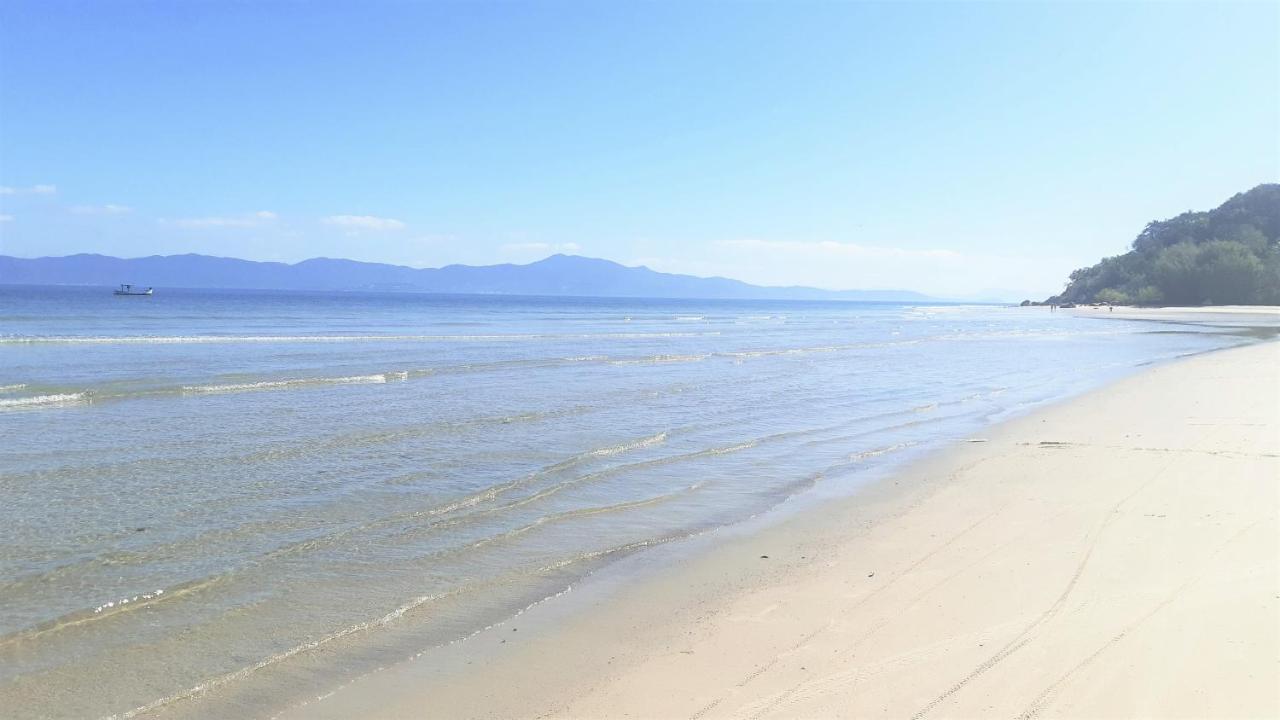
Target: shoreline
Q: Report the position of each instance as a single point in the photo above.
(1258, 317)
(727, 631)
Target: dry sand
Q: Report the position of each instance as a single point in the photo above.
(1113, 556)
(1226, 315)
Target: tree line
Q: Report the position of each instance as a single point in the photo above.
(1226, 256)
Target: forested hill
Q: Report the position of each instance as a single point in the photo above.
(1230, 255)
(558, 275)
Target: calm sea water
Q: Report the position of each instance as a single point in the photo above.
(211, 496)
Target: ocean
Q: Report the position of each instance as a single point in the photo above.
(233, 500)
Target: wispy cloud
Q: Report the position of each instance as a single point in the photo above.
(364, 222)
(256, 219)
(108, 209)
(6, 218)
(32, 190)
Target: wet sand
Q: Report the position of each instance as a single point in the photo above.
(1112, 556)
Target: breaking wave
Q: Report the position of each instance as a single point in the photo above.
(295, 382)
(233, 339)
(45, 400)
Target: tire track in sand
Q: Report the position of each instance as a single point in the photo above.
(1032, 631)
(1047, 695)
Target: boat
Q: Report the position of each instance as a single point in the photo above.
(131, 290)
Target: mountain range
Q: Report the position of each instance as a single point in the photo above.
(558, 275)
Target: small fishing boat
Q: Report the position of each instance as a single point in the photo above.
(131, 290)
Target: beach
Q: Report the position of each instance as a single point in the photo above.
(635, 360)
(1114, 555)
(240, 532)
(1220, 315)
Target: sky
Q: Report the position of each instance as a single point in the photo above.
(963, 149)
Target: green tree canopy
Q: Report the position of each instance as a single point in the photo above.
(1229, 255)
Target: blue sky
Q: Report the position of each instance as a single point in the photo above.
(950, 148)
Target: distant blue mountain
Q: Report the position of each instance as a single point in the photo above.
(562, 275)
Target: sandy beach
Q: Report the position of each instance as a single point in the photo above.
(1220, 315)
(1113, 556)
(639, 360)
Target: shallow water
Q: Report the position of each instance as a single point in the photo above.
(209, 492)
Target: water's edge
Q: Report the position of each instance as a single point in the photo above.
(877, 492)
(223, 504)
(711, 568)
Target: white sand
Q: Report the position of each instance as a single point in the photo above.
(1114, 556)
(1233, 315)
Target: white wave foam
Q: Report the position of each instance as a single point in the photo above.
(857, 457)
(43, 400)
(733, 448)
(107, 608)
(627, 447)
(284, 655)
(125, 601)
(294, 382)
(769, 352)
(231, 339)
(12, 388)
(660, 359)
